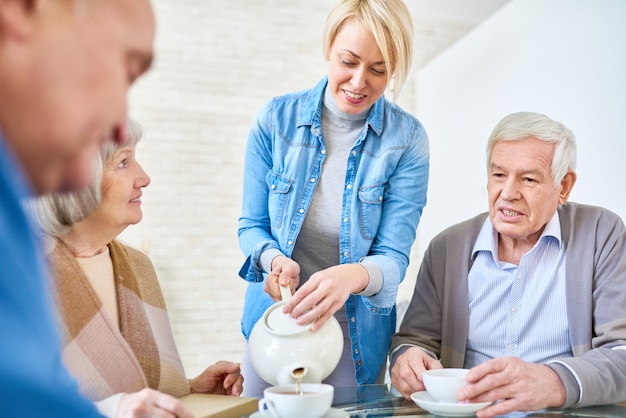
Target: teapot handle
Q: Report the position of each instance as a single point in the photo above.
(285, 292)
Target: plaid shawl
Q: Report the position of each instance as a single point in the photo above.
(104, 359)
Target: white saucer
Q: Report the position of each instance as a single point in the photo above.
(432, 405)
(332, 413)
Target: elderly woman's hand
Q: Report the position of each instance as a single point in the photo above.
(222, 378)
(149, 403)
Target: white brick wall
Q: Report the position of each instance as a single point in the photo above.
(216, 62)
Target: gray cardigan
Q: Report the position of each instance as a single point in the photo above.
(595, 245)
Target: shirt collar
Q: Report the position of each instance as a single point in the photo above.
(487, 239)
(11, 169)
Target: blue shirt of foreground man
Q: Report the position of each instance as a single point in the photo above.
(65, 69)
(532, 295)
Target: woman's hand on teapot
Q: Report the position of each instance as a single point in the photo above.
(285, 272)
(221, 378)
(325, 293)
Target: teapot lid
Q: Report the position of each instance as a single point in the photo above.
(282, 323)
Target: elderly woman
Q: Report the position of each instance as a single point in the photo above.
(118, 342)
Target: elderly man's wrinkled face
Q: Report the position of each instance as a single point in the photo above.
(82, 59)
(522, 196)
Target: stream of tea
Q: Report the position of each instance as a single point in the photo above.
(298, 374)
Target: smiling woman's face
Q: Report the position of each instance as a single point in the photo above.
(357, 74)
(122, 181)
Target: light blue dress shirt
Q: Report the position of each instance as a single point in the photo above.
(518, 310)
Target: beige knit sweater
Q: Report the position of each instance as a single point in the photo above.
(107, 359)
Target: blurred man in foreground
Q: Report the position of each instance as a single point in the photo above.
(65, 70)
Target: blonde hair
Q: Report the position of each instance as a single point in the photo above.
(391, 26)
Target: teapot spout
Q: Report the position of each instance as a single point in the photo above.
(298, 373)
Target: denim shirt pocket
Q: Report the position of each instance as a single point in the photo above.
(279, 187)
(371, 209)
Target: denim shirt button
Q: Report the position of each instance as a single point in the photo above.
(356, 351)
(301, 211)
(289, 243)
(323, 152)
(273, 186)
(353, 319)
(373, 309)
(345, 220)
(312, 180)
(345, 254)
(349, 187)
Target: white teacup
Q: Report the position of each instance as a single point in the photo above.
(285, 402)
(443, 384)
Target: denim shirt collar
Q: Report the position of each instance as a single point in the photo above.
(311, 112)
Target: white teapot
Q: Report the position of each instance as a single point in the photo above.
(283, 352)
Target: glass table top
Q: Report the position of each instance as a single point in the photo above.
(373, 401)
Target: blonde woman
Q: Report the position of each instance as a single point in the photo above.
(334, 186)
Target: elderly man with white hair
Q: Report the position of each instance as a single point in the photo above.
(531, 296)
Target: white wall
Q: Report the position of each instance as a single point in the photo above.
(216, 62)
(564, 58)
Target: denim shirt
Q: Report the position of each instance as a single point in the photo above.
(385, 192)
